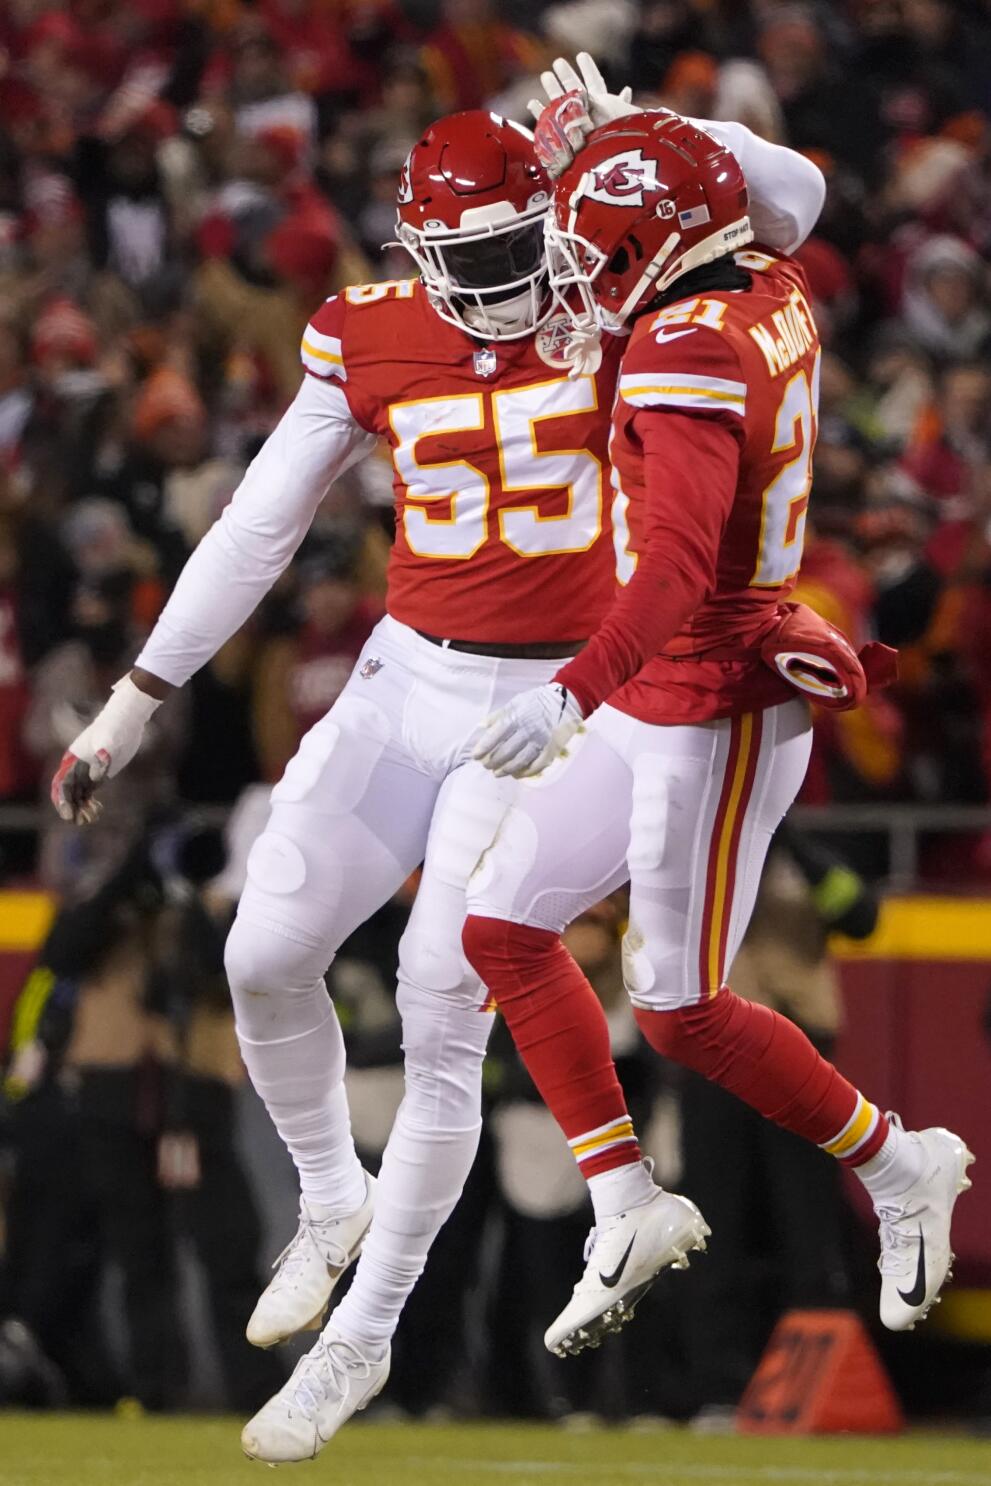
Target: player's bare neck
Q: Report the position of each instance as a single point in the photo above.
(724, 273)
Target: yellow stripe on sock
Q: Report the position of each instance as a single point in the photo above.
(855, 1132)
(584, 1146)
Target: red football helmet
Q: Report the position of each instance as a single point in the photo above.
(472, 201)
(650, 197)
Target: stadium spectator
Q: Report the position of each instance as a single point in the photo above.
(300, 675)
(68, 686)
(123, 1082)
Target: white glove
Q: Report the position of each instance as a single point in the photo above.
(101, 751)
(530, 732)
(576, 104)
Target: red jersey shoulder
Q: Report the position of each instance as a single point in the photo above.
(778, 267)
(362, 320)
(681, 359)
(321, 350)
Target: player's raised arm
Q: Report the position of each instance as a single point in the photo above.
(235, 565)
(787, 191)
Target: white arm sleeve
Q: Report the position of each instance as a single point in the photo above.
(786, 190)
(256, 537)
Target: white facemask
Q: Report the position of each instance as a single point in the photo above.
(509, 318)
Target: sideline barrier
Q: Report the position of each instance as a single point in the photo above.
(820, 1374)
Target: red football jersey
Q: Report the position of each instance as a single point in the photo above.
(501, 473)
(716, 412)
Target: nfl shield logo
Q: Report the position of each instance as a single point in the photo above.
(485, 362)
(370, 668)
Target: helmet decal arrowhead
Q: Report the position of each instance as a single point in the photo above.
(622, 179)
(405, 192)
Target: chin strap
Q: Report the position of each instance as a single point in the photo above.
(509, 315)
(584, 351)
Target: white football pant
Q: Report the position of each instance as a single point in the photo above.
(382, 783)
(686, 813)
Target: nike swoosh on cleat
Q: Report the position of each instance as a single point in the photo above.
(917, 1294)
(612, 1280)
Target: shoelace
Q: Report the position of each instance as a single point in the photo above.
(324, 1373)
(594, 1234)
(293, 1256)
(896, 1239)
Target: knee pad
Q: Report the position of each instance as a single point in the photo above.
(444, 1046)
(285, 1020)
(263, 963)
(436, 963)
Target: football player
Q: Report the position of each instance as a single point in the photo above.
(501, 569)
(685, 773)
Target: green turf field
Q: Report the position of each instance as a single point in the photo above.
(68, 1450)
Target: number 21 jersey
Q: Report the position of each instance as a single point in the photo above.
(749, 359)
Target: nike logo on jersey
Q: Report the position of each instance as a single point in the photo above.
(917, 1294)
(612, 1280)
(672, 335)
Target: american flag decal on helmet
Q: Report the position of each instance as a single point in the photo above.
(696, 216)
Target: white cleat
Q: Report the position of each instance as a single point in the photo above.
(916, 1258)
(333, 1381)
(623, 1257)
(306, 1272)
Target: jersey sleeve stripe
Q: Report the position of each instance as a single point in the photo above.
(684, 379)
(313, 350)
(656, 396)
(321, 341)
(321, 354)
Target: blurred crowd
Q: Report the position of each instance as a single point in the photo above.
(181, 181)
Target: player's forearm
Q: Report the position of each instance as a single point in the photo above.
(255, 539)
(648, 613)
(152, 686)
(690, 471)
(787, 191)
(218, 590)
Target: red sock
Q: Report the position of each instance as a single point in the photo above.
(771, 1065)
(561, 1034)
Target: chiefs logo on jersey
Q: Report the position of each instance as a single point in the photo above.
(622, 179)
(553, 340)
